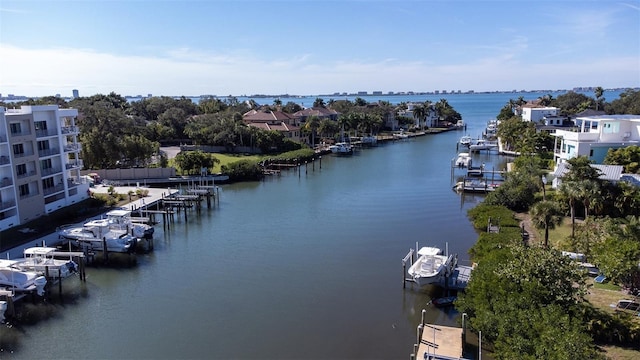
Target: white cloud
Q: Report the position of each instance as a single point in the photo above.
(39, 72)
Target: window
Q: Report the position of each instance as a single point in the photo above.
(24, 190)
(15, 128)
(18, 149)
(611, 128)
(45, 164)
(21, 169)
(43, 145)
(47, 183)
(41, 125)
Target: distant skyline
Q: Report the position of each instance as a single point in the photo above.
(307, 47)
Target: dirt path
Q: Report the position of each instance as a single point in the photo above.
(525, 219)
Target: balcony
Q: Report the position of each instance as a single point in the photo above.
(74, 164)
(21, 133)
(4, 160)
(23, 154)
(50, 171)
(27, 174)
(48, 152)
(7, 204)
(53, 189)
(6, 181)
(46, 132)
(72, 147)
(70, 130)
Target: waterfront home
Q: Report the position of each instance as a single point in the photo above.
(612, 173)
(431, 119)
(593, 136)
(279, 121)
(535, 113)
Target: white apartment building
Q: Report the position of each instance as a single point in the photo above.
(535, 114)
(595, 135)
(39, 163)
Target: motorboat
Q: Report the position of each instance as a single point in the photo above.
(97, 235)
(481, 144)
(430, 266)
(121, 219)
(341, 148)
(22, 281)
(400, 135)
(463, 160)
(46, 261)
(465, 140)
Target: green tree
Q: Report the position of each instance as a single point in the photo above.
(598, 92)
(192, 162)
(546, 215)
(312, 124)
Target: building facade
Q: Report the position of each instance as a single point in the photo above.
(595, 135)
(39, 163)
(536, 113)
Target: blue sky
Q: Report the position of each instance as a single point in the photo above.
(309, 47)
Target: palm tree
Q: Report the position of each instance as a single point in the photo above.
(588, 190)
(312, 124)
(319, 102)
(546, 215)
(420, 113)
(598, 92)
(568, 191)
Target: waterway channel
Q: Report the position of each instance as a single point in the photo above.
(303, 265)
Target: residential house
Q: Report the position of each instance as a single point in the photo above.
(279, 121)
(612, 173)
(321, 113)
(593, 136)
(431, 119)
(535, 113)
(39, 163)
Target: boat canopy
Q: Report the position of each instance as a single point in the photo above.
(427, 250)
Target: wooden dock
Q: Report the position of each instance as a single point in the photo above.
(439, 342)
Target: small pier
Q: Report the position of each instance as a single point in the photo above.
(438, 342)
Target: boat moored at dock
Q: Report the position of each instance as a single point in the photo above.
(46, 261)
(430, 266)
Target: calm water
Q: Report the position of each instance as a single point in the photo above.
(305, 265)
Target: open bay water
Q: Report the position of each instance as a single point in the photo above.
(305, 265)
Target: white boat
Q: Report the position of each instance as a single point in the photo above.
(463, 160)
(122, 218)
(46, 261)
(430, 266)
(482, 144)
(22, 281)
(400, 135)
(97, 235)
(341, 148)
(465, 140)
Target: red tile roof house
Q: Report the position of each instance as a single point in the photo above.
(321, 112)
(279, 121)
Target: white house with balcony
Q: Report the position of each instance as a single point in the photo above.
(431, 119)
(536, 113)
(39, 163)
(595, 135)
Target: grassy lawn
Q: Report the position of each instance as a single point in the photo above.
(225, 159)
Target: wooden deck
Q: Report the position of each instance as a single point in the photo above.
(440, 342)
